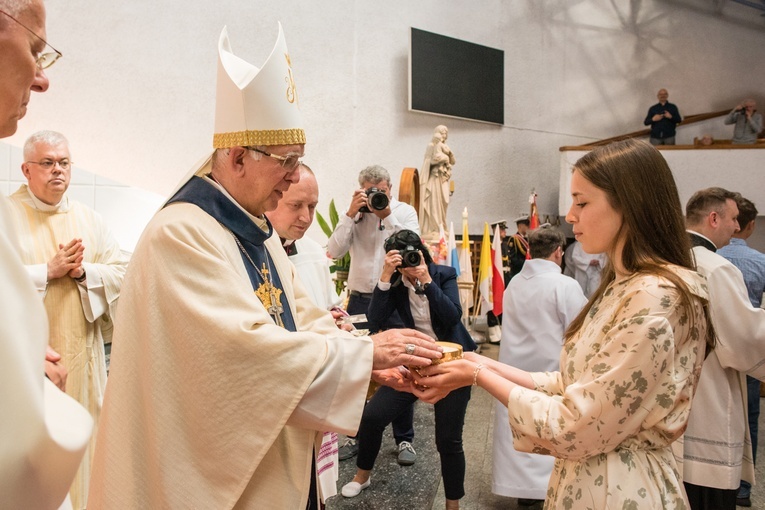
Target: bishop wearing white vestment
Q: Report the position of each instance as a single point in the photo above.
(224, 373)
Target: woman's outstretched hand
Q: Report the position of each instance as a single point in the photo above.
(434, 382)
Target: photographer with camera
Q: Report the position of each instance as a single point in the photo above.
(748, 123)
(371, 218)
(427, 299)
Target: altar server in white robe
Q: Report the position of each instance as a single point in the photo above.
(43, 432)
(538, 305)
(223, 371)
(77, 268)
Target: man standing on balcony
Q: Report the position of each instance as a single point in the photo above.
(748, 123)
(663, 117)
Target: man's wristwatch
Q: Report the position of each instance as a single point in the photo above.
(80, 278)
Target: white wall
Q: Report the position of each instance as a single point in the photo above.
(134, 91)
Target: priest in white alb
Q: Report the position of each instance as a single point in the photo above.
(224, 372)
(291, 219)
(77, 268)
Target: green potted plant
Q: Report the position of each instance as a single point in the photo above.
(342, 265)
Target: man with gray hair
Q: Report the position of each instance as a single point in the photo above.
(715, 451)
(44, 431)
(539, 303)
(373, 216)
(748, 122)
(76, 266)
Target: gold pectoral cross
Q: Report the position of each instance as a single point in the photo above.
(270, 296)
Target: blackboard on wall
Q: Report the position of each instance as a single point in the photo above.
(456, 78)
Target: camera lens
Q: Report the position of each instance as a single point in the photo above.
(410, 257)
(378, 200)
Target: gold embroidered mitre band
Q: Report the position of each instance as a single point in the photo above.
(256, 106)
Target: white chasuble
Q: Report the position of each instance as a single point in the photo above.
(210, 404)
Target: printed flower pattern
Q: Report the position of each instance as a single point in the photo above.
(622, 396)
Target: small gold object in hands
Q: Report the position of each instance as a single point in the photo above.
(451, 352)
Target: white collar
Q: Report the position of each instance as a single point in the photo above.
(701, 236)
(62, 206)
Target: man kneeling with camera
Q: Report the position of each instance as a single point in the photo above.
(427, 299)
(373, 216)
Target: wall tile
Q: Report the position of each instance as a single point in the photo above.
(80, 176)
(83, 193)
(127, 211)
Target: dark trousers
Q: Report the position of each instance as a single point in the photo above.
(388, 403)
(403, 425)
(313, 493)
(753, 405)
(709, 498)
(662, 141)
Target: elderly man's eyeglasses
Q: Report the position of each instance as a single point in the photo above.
(287, 162)
(47, 164)
(45, 60)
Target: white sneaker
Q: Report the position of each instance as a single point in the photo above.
(353, 489)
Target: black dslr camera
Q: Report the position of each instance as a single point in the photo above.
(376, 199)
(407, 243)
(410, 257)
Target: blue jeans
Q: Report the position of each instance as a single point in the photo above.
(753, 405)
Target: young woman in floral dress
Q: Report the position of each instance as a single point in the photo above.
(631, 359)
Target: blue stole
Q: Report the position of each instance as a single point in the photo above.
(208, 198)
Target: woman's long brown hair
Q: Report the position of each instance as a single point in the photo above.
(640, 186)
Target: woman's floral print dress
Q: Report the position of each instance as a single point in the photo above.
(622, 396)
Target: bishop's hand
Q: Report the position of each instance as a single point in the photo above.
(403, 347)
